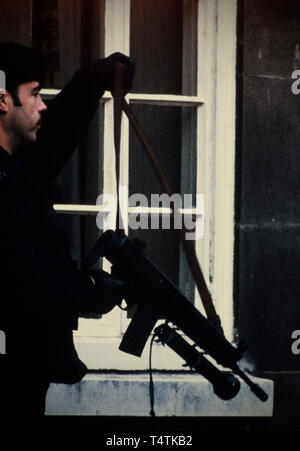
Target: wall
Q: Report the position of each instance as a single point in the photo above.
(267, 249)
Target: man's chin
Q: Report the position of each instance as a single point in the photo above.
(31, 137)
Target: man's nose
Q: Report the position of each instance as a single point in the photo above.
(42, 106)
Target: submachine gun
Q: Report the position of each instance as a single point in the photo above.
(156, 297)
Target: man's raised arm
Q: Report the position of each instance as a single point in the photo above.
(70, 113)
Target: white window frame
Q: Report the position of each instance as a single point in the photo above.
(97, 341)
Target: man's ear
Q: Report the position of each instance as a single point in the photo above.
(4, 100)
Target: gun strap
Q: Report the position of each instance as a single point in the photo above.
(189, 249)
(117, 96)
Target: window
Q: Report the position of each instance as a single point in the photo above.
(184, 97)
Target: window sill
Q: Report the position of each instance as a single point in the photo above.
(104, 354)
(181, 395)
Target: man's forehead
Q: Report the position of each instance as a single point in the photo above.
(31, 85)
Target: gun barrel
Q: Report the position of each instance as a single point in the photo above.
(225, 385)
(255, 388)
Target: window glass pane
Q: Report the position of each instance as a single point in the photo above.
(81, 179)
(69, 33)
(163, 43)
(45, 37)
(171, 132)
(162, 126)
(156, 45)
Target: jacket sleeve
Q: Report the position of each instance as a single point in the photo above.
(65, 123)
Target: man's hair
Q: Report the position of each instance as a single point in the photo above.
(20, 64)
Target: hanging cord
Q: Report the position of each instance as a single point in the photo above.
(117, 98)
(151, 384)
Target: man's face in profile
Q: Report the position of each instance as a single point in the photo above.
(24, 121)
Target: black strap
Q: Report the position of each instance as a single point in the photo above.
(117, 96)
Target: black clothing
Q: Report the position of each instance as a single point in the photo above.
(21, 64)
(41, 292)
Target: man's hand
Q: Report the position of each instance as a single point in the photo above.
(106, 70)
(109, 291)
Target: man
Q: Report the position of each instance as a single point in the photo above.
(42, 294)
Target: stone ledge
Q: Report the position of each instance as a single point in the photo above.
(179, 395)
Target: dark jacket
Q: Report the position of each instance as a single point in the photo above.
(41, 292)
